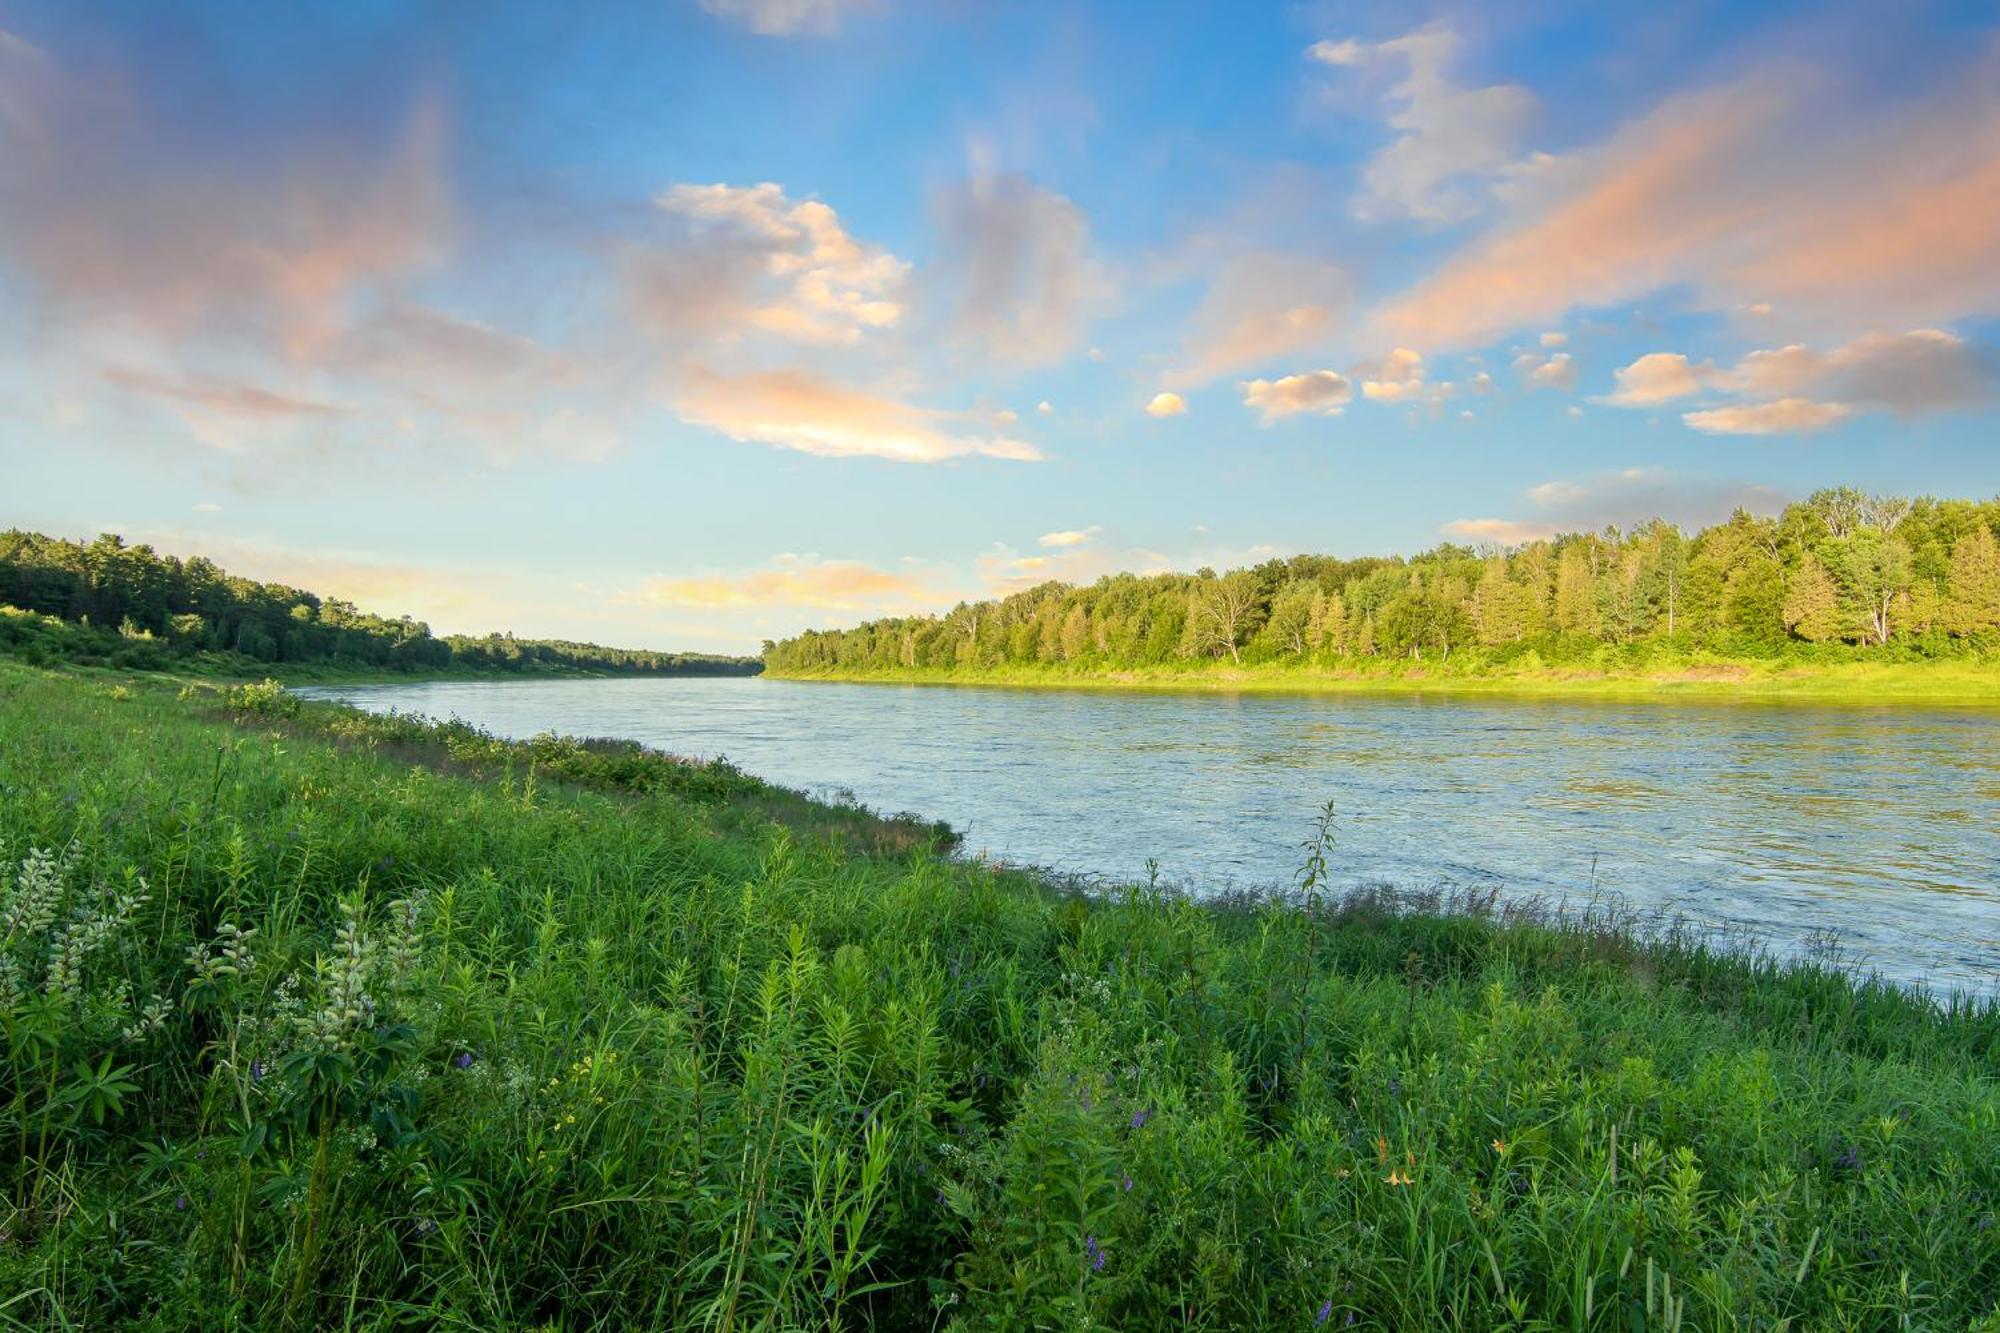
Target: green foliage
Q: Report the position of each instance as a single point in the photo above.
(475, 1034)
(1841, 576)
(170, 611)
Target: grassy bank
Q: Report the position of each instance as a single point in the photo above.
(1944, 682)
(316, 1019)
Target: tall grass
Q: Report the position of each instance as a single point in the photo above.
(408, 1026)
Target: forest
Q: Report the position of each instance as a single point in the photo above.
(113, 603)
(1841, 575)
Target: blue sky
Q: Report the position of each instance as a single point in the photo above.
(695, 322)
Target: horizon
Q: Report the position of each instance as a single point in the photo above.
(728, 319)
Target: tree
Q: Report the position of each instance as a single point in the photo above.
(1812, 603)
(1873, 570)
(1220, 614)
(1972, 602)
(1297, 616)
(1576, 592)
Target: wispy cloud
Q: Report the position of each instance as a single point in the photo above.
(1748, 195)
(1624, 498)
(1018, 273)
(789, 18)
(794, 409)
(1451, 140)
(792, 581)
(1260, 307)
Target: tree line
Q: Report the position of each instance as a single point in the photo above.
(133, 606)
(1840, 574)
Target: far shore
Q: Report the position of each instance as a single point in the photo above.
(1945, 683)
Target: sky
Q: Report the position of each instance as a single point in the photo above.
(692, 323)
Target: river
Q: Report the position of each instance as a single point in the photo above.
(1879, 824)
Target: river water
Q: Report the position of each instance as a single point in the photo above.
(1880, 824)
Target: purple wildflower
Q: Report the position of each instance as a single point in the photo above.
(1125, 1182)
(463, 1059)
(256, 1071)
(180, 1203)
(1093, 1253)
(1139, 1119)
(1325, 1313)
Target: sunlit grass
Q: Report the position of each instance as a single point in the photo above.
(487, 1035)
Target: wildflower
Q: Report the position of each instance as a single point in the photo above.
(1125, 1182)
(1500, 1146)
(1381, 1150)
(1397, 1176)
(1093, 1253)
(180, 1203)
(463, 1059)
(256, 1071)
(1325, 1313)
(1139, 1119)
(1341, 1173)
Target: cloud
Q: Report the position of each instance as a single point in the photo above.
(1659, 377)
(1323, 391)
(1765, 192)
(1546, 372)
(1626, 499)
(1554, 339)
(1260, 307)
(1499, 531)
(225, 415)
(794, 409)
(1017, 269)
(1045, 408)
(1451, 140)
(787, 18)
(1166, 405)
(121, 204)
(1003, 570)
(1786, 416)
(793, 581)
(1924, 370)
(749, 257)
(208, 507)
(1398, 377)
(1339, 54)
(1074, 537)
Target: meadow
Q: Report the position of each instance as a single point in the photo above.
(320, 1019)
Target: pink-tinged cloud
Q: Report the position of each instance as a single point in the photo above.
(1499, 531)
(1924, 370)
(1762, 194)
(1324, 391)
(740, 259)
(1659, 377)
(793, 409)
(1786, 416)
(1260, 307)
(1538, 371)
(793, 581)
(117, 207)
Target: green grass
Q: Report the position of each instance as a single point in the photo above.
(1957, 681)
(574, 1035)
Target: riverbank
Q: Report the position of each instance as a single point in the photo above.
(1945, 682)
(573, 1033)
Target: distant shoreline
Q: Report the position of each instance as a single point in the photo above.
(1948, 683)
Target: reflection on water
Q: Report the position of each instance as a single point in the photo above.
(1882, 824)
